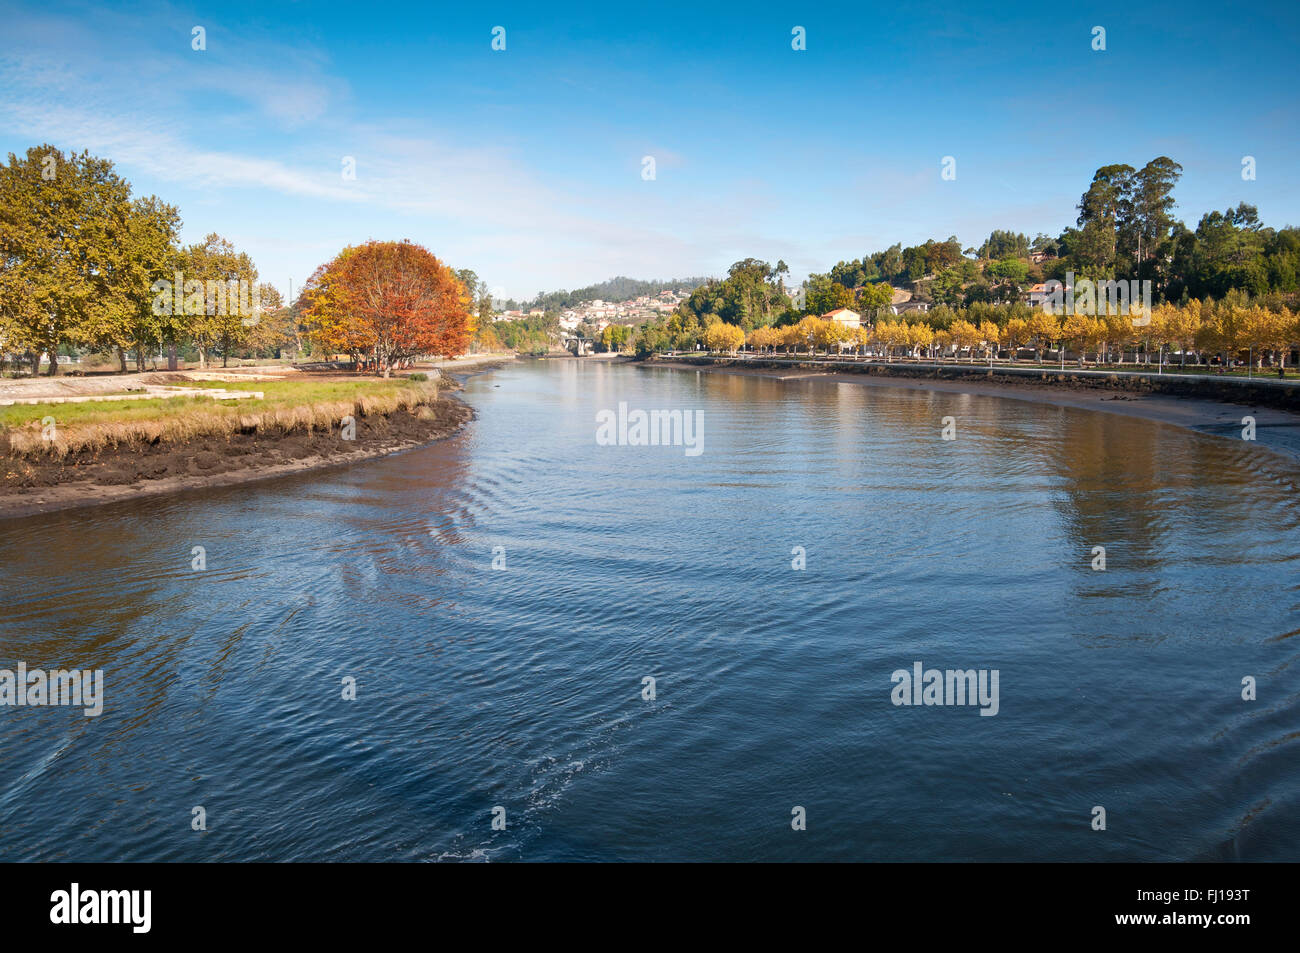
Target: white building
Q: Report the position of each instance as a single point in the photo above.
(844, 317)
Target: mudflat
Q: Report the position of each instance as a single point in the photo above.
(91, 473)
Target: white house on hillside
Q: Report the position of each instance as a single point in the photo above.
(1039, 295)
(845, 317)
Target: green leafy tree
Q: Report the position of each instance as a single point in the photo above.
(1148, 204)
(1004, 244)
(873, 298)
(60, 220)
(212, 270)
(1009, 275)
(134, 276)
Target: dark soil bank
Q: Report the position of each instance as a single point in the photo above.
(33, 484)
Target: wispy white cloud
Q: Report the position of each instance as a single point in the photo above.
(263, 117)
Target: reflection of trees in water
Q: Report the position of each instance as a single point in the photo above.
(1164, 501)
(1196, 530)
(1154, 490)
(1117, 481)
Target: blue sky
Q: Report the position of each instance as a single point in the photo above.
(525, 165)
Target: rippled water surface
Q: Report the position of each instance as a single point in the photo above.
(522, 688)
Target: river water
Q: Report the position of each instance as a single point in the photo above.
(523, 687)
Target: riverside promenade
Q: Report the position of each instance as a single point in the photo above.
(1283, 394)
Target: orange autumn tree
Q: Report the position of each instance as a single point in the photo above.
(392, 301)
(325, 317)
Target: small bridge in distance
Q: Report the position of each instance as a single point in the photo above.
(577, 345)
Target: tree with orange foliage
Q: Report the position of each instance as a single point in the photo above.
(393, 301)
(325, 317)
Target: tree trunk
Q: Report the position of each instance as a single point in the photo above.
(203, 358)
(121, 360)
(171, 357)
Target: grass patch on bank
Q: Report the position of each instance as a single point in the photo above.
(286, 406)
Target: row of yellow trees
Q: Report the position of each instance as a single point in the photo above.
(721, 336)
(1198, 328)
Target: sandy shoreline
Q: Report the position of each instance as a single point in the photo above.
(1277, 429)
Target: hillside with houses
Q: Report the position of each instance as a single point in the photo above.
(1124, 235)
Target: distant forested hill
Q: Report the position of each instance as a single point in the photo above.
(615, 289)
